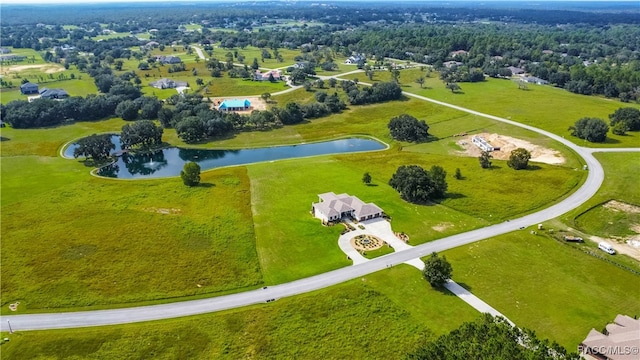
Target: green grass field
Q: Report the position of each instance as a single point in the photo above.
(546, 107)
(368, 318)
(294, 245)
(119, 242)
(541, 284)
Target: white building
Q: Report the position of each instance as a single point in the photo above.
(334, 207)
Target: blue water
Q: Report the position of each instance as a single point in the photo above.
(170, 161)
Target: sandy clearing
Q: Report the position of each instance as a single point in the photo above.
(46, 68)
(508, 144)
(257, 103)
(624, 207)
(626, 247)
(442, 227)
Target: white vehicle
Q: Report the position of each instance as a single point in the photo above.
(606, 247)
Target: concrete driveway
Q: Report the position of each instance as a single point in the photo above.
(381, 229)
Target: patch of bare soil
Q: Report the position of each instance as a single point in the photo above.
(164, 211)
(508, 144)
(45, 68)
(624, 207)
(257, 103)
(442, 227)
(629, 247)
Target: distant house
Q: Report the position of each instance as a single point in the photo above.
(165, 83)
(300, 65)
(5, 51)
(534, 80)
(151, 45)
(623, 334)
(266, 76)
(355, 59)
(547, 52)
(235, 105)
(54, 94)
(12, 57)
(168, 59)
(334, 207)
(459, 53)
(450, 64)
(29, 88)
(516, 70)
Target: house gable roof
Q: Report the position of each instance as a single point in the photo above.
(28, 85)
(53, 93)
(333, 205)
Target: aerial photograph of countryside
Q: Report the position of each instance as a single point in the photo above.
(302, 179)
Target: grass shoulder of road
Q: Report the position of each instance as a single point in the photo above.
(546, 107)
(380, 316)
(543, 285)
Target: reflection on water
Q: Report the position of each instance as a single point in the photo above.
(170, 161)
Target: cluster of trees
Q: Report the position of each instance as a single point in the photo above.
(407, 128)
(144, 107)
(418, 185)
(625, 119)
(456, 74)
(143, 134)
(95, 147)
(491, 338)
(379, 92)
(195, 120)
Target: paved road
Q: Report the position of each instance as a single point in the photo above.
(194, 307)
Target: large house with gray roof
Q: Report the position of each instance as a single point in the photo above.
(619, 341)
(29, 88)
(53, 94)
(334, 207)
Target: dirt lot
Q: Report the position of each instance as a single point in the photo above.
(45, 68)
(508, 144)
(629, 245)
(256, 103)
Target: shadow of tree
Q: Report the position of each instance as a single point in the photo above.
(456, 196)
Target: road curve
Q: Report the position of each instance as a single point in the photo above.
(194, 307)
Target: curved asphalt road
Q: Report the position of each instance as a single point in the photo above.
(194, 307)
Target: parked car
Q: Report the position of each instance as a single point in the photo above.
(606, 247)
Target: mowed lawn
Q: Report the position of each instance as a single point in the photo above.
(546, 107)
(541, 284)
(380, 316)
(292, 244)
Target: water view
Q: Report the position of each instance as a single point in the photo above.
(169, 162)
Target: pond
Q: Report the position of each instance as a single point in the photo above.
(170, 161)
